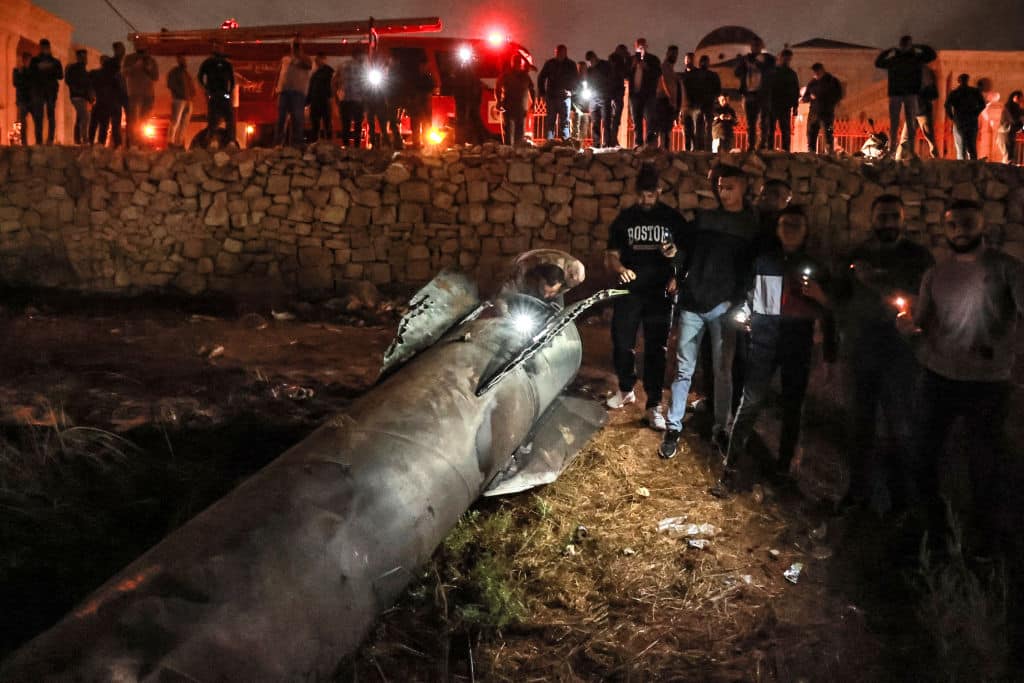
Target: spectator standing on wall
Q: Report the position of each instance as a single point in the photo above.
(903, 64)
(691, 112)
(45, 72)
(515, 95)
(598, 83)
(182, 89)
(644, 73)
(723, 125)
(669, 98)
(925, 112)
(22, 81)
(319, 98)
(754, 72)
(419, 90)
(1011, 122)
(217, 77)
(292, 86)
(964, 105)
(140, 73)
(76, 77)
(823, 92)
(106, 113)
(349, 85)
(555, 84)
(119, 114)
(785, 96)
(702, 86)
(619, 61)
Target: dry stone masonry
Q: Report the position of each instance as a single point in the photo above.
(286, 222)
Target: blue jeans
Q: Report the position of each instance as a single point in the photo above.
(291, 103)
(558, 113)
(691, 332)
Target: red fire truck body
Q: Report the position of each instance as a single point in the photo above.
(256, 54)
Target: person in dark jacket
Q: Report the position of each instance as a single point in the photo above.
(644, 74)
(702, 87)
(418, 89)
(877, 283)
(964, 105)
(716, 264)
(785, 96)
(555, 83)
(669, 99)
(217, 77)
(76, 77)
(642, 241)
(755, 73)
(787, 296)
(350, 88)
(319, 97)
(690, 112)
(1011, 122)
(823, 92)
(723, 124)
(140, 73)
(108, 86)
(904, 64)
(619, 61)
(45, 72)
(598, 84)
(22, 80)
(515, 95)
(183, 90)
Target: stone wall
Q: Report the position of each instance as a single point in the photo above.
(280, 221)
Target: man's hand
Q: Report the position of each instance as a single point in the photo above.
(812, 290)
(906, 326)
(626, 275)
(669, 249)
(671, 287)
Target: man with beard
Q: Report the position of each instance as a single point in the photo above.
(967, 315)
(641, 244)
(878, 282)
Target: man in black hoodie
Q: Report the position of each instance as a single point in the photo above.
(45, 72)
(785, 95)
(619, 62)
(964, 105)
(644, 74)
(598, 86)
(717, 264)
(641, 244)
(319, 97)
(22, 81)
(555, 83)
(76, 76)
(904, 64)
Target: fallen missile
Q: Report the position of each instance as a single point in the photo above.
(283, 578)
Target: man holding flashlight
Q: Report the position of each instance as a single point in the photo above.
(787, 297)
(967, 316)
(878, 283)
(642, 242)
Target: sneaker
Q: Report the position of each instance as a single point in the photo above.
(726, 485)
(669, 445)
(656, 419)
(620, 400)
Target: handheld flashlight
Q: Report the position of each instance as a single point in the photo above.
(465, 54)
(586, 93)
(375, 77)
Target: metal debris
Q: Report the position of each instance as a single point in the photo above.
(793, 573)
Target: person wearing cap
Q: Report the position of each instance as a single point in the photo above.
(717, 271)
(964, 105)
(76, 77)
(44, 72)
(642, 242)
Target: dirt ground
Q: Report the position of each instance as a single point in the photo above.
(193, 397)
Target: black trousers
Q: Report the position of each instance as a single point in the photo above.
(787, 348)
(758, 114)
(351, 113)
(601, 122)
(218, 108)
(41, 104)
(665, 119)
(816, 121)
(642, 109)
(512, 123)
(984, 407)
(320, 113)
(654, 314)
(782, 118)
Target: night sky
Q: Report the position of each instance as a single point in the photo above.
(597, 24)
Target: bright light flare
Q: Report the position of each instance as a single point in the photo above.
(496, 38)
(375, 77)
(250, 129)
(435, 136)
(586, 93)
(149, 130)
(902, 306)
(465, 54)
(741, 317)
(524, 323)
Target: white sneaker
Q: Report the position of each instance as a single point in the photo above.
(656, 419)
(620, 400)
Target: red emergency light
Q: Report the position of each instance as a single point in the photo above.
(229, 24)
(496, 38)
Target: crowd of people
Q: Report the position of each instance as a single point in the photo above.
(918, 342)
(579, 99)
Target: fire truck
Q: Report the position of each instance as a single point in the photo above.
(256, 53)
